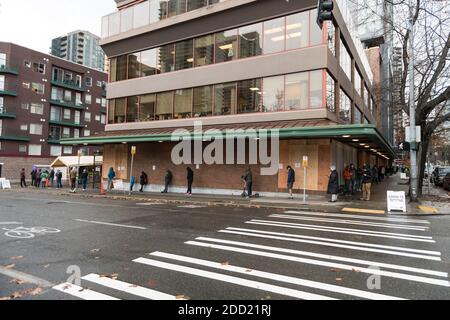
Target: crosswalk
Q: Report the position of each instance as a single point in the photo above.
(293, 255)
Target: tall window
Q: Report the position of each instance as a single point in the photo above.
(166, 58)
(148, 62)
(366, 97)
(250, 38)
(316, 88)
(121, 68)
(297, 30)
(36, 129)
(297, 91)
(164, 106)
(346, 60)
(345, 106)
(55, 114)
(203, 101)
(204, 50)
(147, 104)
(249, 96)
(34, 150)
(331, 93)
(37, 108)
(331, 36)
(273, 95)
(119, 110)
(357, 117)
(226, 46)
(55, 133)
(224, 98)
(184, 55)
(183, 104)
(134, 65)
(316, 32)
(2, 60)
(358, 82)
(274, 35)
(132, 109)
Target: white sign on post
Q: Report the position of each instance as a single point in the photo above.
(396, 200)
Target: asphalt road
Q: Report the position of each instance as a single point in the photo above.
(126, 250)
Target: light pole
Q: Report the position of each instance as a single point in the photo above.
(79, 153)
(133, 153)
(412, 109)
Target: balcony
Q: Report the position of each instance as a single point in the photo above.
(66, 124)
(14, 138)
(66, 104)
(69, 85)
(146, 13)
(9, 70)
(8, 89)
(7, 112)
(52, 140)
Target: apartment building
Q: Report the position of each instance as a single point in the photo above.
(236, 64)
(42, 100)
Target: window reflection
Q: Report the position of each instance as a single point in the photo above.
(250, 38)
(331, 93)
(175, 7)
(183, 104)
(273, 95)
(316, 92)
(204, 50)
(196, 4)
(357, 116)
(297, 87)
(147, 104)
(119, 110)
(148, 62)
(315, 31)
(226, 46)
(132, 109)
(225, 98)
(164, 106)
(297, 30)
(345, 106)
(184, 55)
(274, 36)
(134, 65)
(203, 101)
(166, 57)
(249, 96)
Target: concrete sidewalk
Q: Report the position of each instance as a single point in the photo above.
(313, 203)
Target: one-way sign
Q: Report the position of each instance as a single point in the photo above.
(404, 146)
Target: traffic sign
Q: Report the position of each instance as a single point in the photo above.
(133, 150)
(305, 161)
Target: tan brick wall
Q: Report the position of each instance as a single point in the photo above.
(13, 165)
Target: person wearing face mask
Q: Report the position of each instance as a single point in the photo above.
(333, 184)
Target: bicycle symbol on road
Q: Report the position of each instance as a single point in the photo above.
(28, 233)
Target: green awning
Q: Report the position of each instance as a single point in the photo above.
(354, 134)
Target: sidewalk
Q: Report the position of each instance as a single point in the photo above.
(313, 203)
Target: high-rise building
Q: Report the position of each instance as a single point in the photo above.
(44, 99)
(242, 65)
(80, 47)
(373, 25)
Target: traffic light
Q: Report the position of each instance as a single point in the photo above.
(324, 11)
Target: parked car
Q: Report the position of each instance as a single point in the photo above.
(446, 182)
(439, 177)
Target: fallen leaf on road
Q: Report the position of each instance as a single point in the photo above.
(17, 281)
(182, 297)
(35, 292)
(152, 283)
(46, 266)
(114, 276)
(356, 270)
(17, 258)
(10, 266)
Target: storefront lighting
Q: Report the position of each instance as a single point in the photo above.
(355, 140)
(346, 136)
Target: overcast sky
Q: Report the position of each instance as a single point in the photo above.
(34, 23)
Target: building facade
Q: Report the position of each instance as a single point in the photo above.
(236, 65)
(42, 100)
(80, 47)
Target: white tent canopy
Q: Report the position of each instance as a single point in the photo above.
(85, 161)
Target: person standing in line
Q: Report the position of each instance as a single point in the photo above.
(347, 180)
(33, 177)
(38, 178)
(23, 183)
(73, 180)
(59, 179)
(167, 181)
(52, 177)
(333, 184)
(44, 177)
(143, 181)
(353, 178)
(248, 178)
(190, 180)
(84, 179)
(375, 174)
(359, 176)
(290, 181)
(111, 176)
(366, 183)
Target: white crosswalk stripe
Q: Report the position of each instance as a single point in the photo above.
(79, 292)
(360, 217)
(277, 277)
(321, 263)
(234, 280)
(364, 232)
(328, 244)
(128, 288)
(350, 222)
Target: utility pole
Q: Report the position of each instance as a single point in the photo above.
(412, 109)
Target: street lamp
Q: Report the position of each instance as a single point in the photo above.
(79, 153)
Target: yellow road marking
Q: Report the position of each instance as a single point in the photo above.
(358, 210)
(428, 209)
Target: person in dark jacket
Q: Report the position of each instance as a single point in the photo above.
(367, 183)
(33, 177)
(167, 181)
(290, 180)
(333, 184)
(59, 179)
(248, 178)
(111, 176)
(23, 183)
(84, 179)
(51, 177)
(143, 181)
(190, 180)
(38, 178)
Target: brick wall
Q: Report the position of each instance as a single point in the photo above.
(13, 165)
